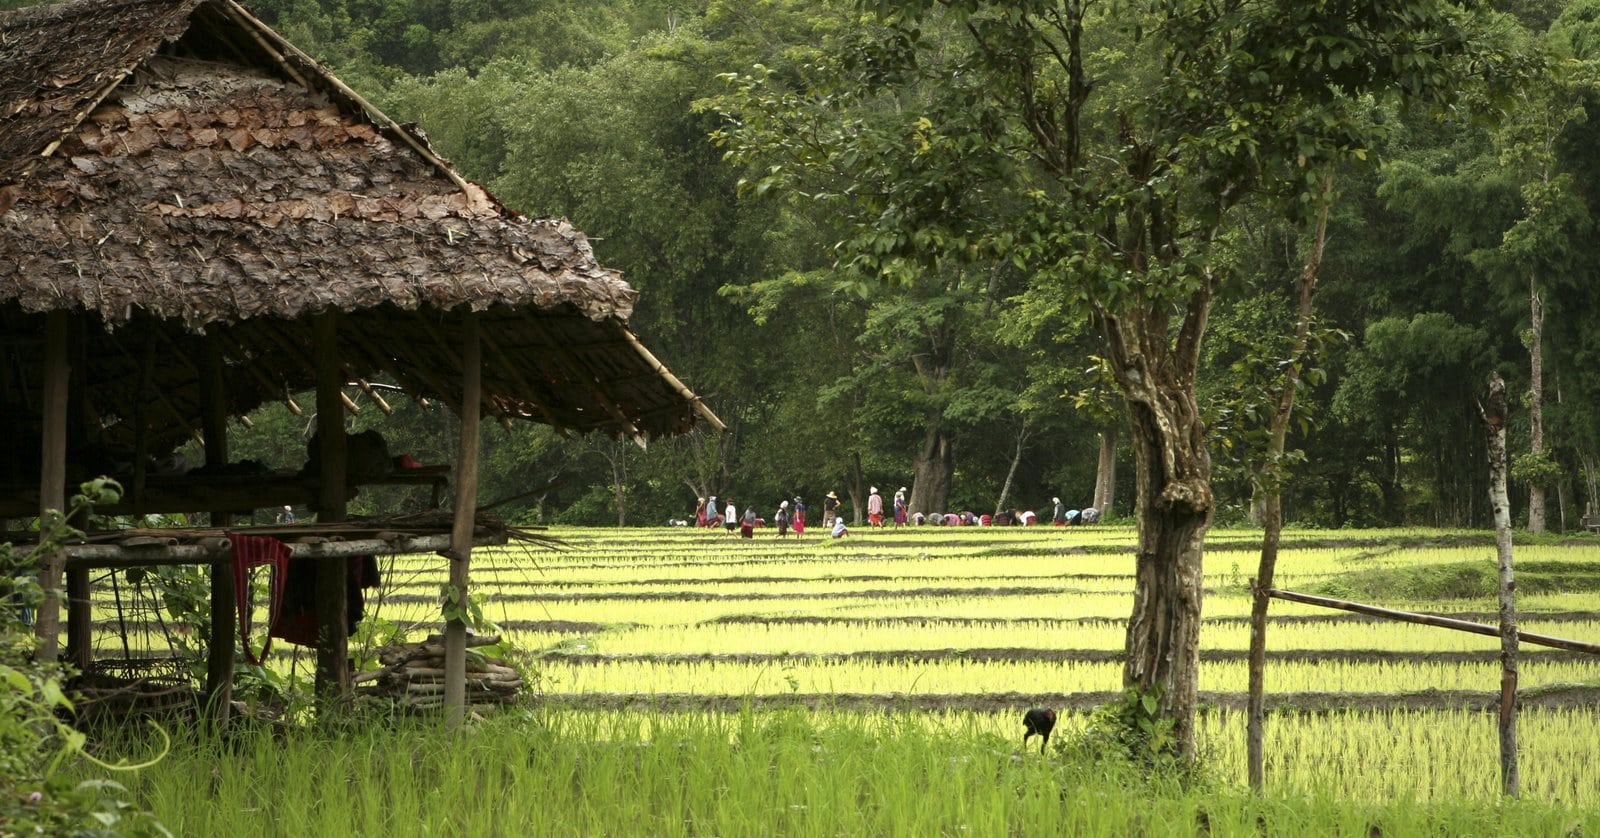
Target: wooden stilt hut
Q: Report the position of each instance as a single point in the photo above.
(196, 219)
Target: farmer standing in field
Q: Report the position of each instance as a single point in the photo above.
(781, 518)
(747, 527)
(799, 516)
(1059, 516)
(830, 508)
(730, 517)
(875, 508)
(900, 508)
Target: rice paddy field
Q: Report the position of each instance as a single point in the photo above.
(689, 682)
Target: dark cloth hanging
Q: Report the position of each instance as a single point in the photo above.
(297, 623)
(249, 552)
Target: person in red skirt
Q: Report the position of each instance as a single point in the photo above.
(875, 508)
(900, 508)
(799, 516)
(781, 518)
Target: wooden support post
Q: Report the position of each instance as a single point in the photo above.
(80, 612)
(466, 514)
(214, 424)
(333, 634)
(52, 480)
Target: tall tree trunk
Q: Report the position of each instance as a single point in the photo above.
(1105, 475)
(1175, 508)
(858, 489)
(1011, 473)
(1494, 417)
(935, 471)
(1270, 492)
(1536, 405)
(619, 481)
(1155, 366)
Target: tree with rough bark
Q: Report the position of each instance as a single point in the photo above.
(1103, 148)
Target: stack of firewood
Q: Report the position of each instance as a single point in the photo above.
(413, 675)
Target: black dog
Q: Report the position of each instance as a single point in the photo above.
(1041, 722)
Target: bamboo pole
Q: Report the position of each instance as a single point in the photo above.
(672, 380)
(260, 29)
(465, 520)
(214, 425)
(333, 634)
(1437, 622)
(52, 480)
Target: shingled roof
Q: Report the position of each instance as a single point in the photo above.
(174, 167)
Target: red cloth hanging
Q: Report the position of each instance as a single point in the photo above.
(252, 551)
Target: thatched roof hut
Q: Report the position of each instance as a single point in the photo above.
(197, 218)
(170, 168)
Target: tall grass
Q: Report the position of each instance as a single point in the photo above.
(754, 773)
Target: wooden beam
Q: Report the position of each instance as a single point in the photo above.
(119, 556)
(672, 380)
(466, 512)
(538, 394)
(1437, 622)
(214, 424)
(333, 634)
(391, 361)
(586, 379)
(52, 480)
(161, 397)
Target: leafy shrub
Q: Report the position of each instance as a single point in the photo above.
(36, 796)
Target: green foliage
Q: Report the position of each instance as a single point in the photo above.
(38, 795)
(1131, 732)
(1531, 469)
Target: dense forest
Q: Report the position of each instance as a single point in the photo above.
(752, 168)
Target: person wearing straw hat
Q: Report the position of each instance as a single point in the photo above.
(830, 507)
(875, 508)
(900, 508)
